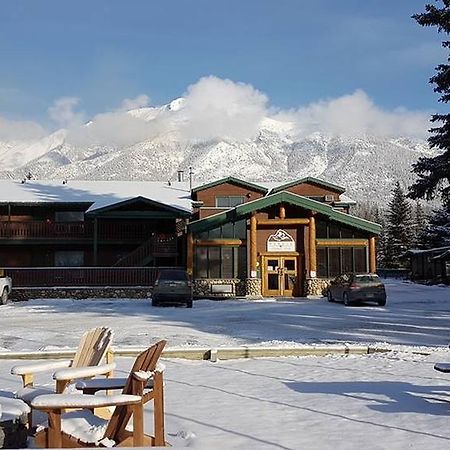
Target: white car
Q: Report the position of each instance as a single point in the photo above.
(5, 288)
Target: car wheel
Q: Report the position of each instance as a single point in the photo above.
(346, 299)
(382, 302)
(189, 304)
(4, 297)
(155, 301)
(329, 296)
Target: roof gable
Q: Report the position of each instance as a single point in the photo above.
(312, 180)
(159, 207)
(243, 210)
(231, 180)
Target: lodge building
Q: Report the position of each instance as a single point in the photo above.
(236, 238)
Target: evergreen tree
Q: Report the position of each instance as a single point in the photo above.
(398, 228)
(420, 223)
(434, 172)
(379, 217)
(437, 232)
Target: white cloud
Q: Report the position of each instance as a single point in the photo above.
(115, 129)
(215, 108)
(63, 112)
(212, 109)
(356, 114)
(16, 130)
(133, 103)
(221, 109)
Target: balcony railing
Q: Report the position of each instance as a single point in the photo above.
(75, 230)
(82, 276)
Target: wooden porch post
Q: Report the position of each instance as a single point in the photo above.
(253, 249)
(282, 212)
(95, 241)
(312, 247)
(372, 255)
(190, 254)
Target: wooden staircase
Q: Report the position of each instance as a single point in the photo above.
(157, 245)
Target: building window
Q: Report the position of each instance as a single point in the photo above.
(69, 216)
(230, 230)
(360, 260)
(229, 201)
(240, 229)
(220, 262)
(214, 262)
(322, 263)
(347, 260)
(334, 261)
(69, 259)
(333, 230)
(321, 230)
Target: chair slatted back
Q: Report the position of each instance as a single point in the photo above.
(93, 347)
(146, 361)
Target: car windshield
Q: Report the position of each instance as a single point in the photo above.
(367, 279)
(177, 275)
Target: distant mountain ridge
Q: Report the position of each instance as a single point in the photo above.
(367, 166)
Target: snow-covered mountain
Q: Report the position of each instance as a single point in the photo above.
(367, 166)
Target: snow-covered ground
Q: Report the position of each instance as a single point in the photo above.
(414, 315)
(394, 400)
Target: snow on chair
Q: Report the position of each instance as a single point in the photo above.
(92, 350)
(82, 428)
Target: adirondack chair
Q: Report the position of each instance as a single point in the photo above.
(92, 351)
(82, 428)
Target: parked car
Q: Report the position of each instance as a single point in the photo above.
(172, 286)
(5, 288)
(357, 287)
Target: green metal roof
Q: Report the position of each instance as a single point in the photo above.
(313, 180)
(231, 180)
(241, 211)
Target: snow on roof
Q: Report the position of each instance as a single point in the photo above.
(100, 193)
(416, 251)
(346, 199)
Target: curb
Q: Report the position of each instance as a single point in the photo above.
(211, 354)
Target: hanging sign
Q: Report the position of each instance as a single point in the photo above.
(281, 241)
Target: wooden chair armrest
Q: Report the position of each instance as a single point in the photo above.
(74, 373)
(75, 401)
(45, 366)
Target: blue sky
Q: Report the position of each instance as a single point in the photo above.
(294, 51)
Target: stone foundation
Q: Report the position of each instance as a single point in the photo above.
(203, 287)
(253, 287)
(316, 286)
(232, 287)
(21, 294)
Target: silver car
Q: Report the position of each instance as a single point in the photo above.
(357, 287)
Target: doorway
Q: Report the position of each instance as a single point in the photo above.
(279, 275)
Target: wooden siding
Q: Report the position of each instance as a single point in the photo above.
(311, 190)
(208, 196)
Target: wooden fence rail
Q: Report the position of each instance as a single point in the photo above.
(75, 230)
(82, 276)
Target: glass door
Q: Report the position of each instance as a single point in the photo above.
(272, 267)
(289, 274)
(279, 275)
